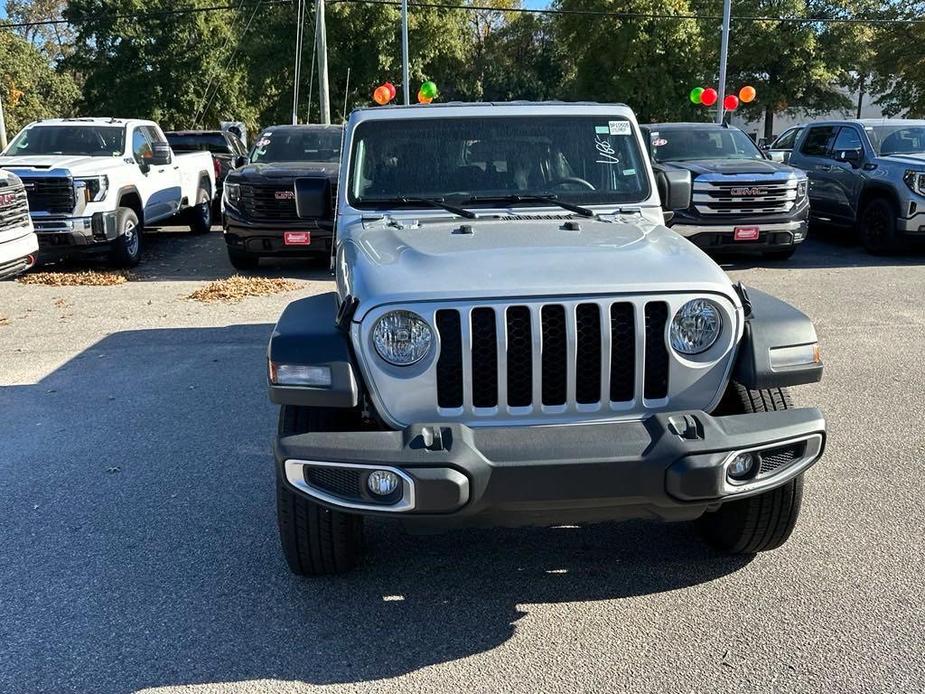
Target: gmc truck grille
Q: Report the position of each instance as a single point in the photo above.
(14, 208)
(272, 203)
(52, 194)
(747, 197)
(551, 356)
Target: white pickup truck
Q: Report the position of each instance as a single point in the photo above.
(18, 245)
(95, 183)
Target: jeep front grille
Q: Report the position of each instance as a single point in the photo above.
(772, 195)
(551, 356)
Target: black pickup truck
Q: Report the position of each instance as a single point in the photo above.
(260, 214)
(742, 201)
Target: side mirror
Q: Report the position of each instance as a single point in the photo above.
(239, 161)
(674, 188)
(160, 154)
(313, 198)
(850, 156)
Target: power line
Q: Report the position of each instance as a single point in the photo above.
(881, 21)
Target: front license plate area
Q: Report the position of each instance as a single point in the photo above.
(746, 233)
(297, 238)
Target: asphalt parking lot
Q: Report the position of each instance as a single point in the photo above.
(139, 548)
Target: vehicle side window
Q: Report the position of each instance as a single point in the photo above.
(787, 140)
(848, 139)
(818, 141)
(141, 148)
(153, 134)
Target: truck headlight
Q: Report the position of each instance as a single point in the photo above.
(233, 192)
(802, 186)
(94, 187)
(402, 338)
(695, 327)
(915, 180)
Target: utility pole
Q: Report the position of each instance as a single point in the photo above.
(324, 95)
(405, 79)
(2, 126)
(723, 58)
(297, 71)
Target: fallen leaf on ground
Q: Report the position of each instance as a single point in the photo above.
(76, 278)
(236, 287)
(4, 320)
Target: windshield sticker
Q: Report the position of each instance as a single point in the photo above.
(629, 172)
(602, 129)
(260, 144)
(659, 142)
(619, 127)
(606, 151)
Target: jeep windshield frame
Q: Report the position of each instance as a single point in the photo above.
(498, 161)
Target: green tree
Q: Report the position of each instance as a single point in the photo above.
(55, 40)
(899, 63)
(649, 63)
(30, 87)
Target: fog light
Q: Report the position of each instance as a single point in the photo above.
(742, 466)
(300, 375)
(382, 482)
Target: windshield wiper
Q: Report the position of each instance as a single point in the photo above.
(438, 202)
(551, 199)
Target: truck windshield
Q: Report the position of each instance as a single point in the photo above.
(492, 160)
(82, 140)
(315, 145)
(689, 144)
(897, 139)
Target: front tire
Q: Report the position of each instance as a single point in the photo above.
(316, 540)
(877, 227)
(201, 214)
(757, 523)
(126, 248)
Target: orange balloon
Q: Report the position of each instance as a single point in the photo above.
(382, 95)
(423, 98)
(747, 94)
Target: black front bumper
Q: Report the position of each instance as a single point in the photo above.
(266, 238)
(670, 466)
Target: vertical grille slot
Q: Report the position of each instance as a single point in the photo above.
(656, 366)
(484, 358)
(449, 365)
(588, 354)
(555, 367)
(623, 352)
(519, 357)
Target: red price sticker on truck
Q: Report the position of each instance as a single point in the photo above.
(297, 238)
(746, 233)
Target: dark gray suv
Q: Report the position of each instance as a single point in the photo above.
(869, 174)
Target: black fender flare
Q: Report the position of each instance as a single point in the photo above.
(308, 334)
(772, 324)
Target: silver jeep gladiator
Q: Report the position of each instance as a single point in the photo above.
(516, 338)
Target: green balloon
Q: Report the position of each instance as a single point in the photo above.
(695, 95)
(429, 89)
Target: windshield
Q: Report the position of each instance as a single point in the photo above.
(484, 161)
(198, 142)
(688, 144)
(897, 139)
(83, 140)
(316, 145)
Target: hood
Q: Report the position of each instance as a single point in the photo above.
(732, 166)
(277, 172)
(911, 159)
(434, 260)
(43, 165)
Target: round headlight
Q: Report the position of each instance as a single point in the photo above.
(402, 338)
(695, 327)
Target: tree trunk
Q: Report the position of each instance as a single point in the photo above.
(768, 123)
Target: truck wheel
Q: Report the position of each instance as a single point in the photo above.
(877, 227)
(316, 540)
(757, 523)
(243, 261)
(201, 214)
(126, 249)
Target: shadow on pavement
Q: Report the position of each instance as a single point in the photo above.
(141, 549)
